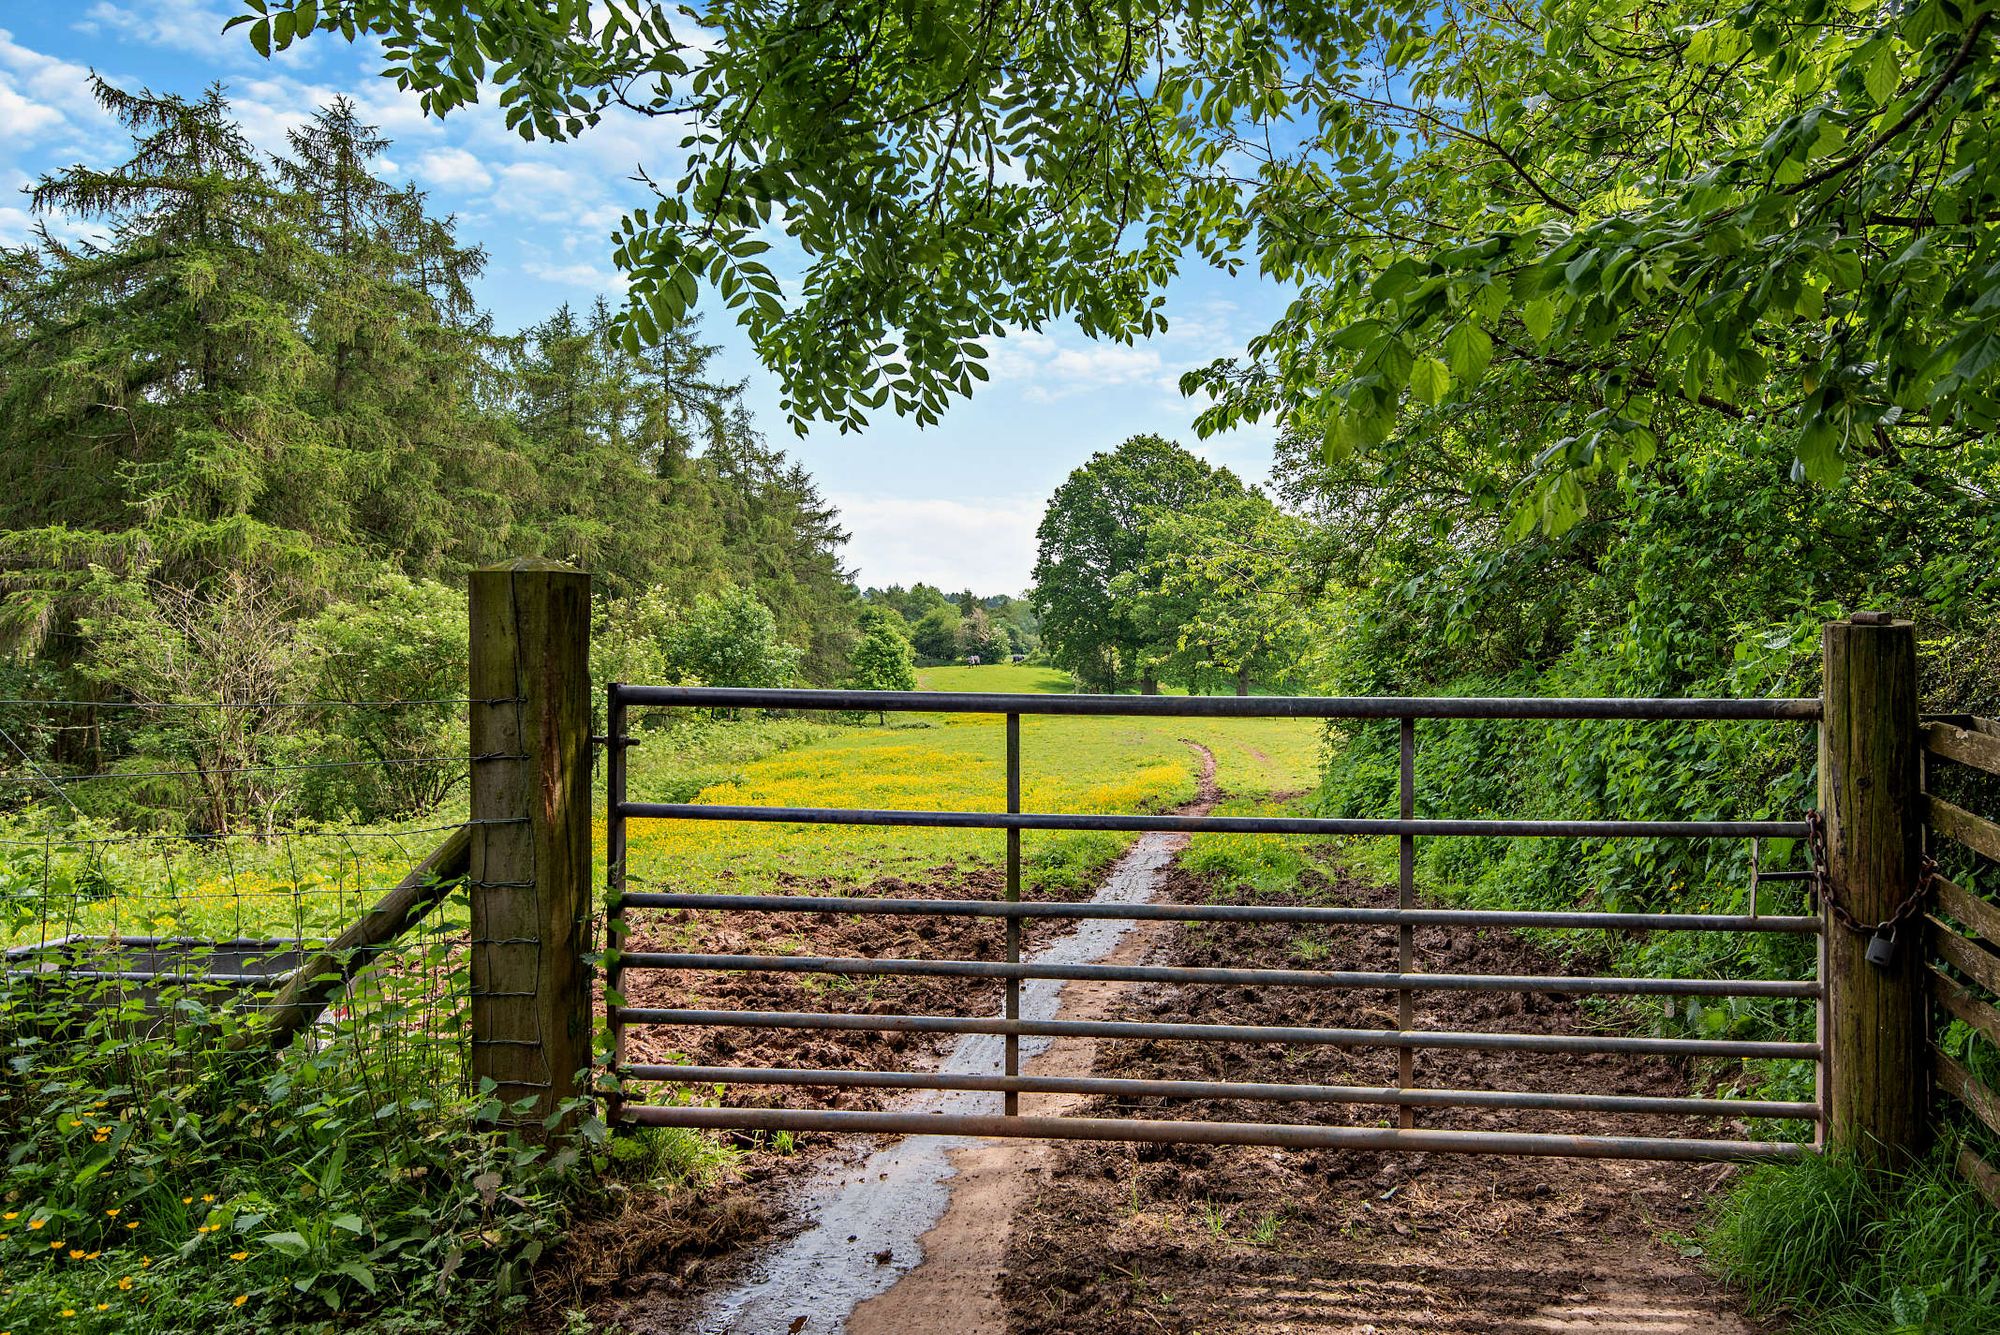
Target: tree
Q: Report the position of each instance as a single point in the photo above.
(1094, 531)
(730, 639)
(936, 634)
(1498, 221)
(882, 660)
(1219, 589)
(980, 638)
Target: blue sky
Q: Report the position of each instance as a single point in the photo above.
(955, 504)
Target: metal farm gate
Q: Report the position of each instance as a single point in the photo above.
(1405, 980)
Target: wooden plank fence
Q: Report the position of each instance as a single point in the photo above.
(1963, 968)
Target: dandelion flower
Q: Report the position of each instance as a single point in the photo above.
(241, 1299)
(187, 1200)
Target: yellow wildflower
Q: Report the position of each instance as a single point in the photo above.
(113, 1212)
(242, 1298)
(76, 1253)
(36, 1223)
(133, 1224)
(104, 1307)
(11, 1215)
(187, 1200)
(239, 1256)
(56, 1246)
(208, 1200)
(93, 1256)
(69, 1311)
(125, 1283)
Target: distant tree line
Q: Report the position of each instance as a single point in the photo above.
(996, 628)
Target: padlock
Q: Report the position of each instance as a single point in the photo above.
(1882, 947)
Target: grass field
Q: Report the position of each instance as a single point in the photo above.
(99, 881)
(958, 763)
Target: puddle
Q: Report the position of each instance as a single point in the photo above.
(895, 1196)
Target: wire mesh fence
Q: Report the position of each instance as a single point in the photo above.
(148, 955)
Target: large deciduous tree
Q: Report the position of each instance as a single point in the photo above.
(1221, 588)
(1570, 230)
(1093, 532)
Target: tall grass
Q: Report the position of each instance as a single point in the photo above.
(1845, 1253)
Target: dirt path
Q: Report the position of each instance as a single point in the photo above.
(923, 1234)
(1118, 1238)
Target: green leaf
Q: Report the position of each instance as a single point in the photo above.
(1539, 316)
(291, 1244)
(1470, 349)
(1885, 73)
(357, 1272)
(1429, 380)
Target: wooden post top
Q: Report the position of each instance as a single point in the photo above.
(531, 565)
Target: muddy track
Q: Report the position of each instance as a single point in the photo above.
(1118, 1238)
(688, 1263)
(931, 1234)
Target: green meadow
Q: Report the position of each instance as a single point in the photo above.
(307, 884)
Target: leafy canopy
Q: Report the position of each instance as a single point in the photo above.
(1780, 211)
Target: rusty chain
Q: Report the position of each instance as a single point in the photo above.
(1911, 903)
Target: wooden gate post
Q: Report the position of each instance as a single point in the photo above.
(530, 856)
(1869, 792)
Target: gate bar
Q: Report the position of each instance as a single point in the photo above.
(1220, 1033)
(1219, 1133)
(1406, 898)
(1015, 971)
(1012, 1056)
(1222, 1089)
(615, 927)
(1220, 706)
(1364, 917)
(1321, 825)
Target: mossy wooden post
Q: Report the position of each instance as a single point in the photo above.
(530, 855)
(1875, 1040)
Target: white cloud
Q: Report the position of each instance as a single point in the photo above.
(1059, 366)
(588, 277)
(542, 190)
(987, 545)
(453, 169)
(194, 27)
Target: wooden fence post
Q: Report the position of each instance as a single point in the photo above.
(1875, 1032)
(530, 857)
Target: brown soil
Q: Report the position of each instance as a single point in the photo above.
(1121, 1238)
